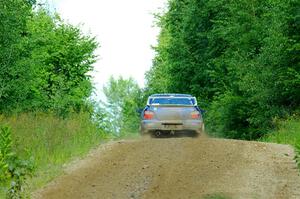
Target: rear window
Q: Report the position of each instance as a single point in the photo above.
(172, 101)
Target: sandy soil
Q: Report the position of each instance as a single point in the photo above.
(180, 168)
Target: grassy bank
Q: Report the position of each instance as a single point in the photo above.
(288, 132)
(51, 141)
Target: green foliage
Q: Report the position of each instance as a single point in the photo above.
(44, 67)
(5, 153)
(240, 58)
(62, 57)
(14, 80)
(50, 141)
(124, 98)
(14, 171)
(44, 61)
(287, 132)
(226, 117)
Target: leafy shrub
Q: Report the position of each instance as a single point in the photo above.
(14, 171)
(5, 153)
(227, 117)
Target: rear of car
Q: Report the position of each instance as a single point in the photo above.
(171, 113)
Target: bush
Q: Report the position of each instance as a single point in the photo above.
(227, 117)
(14, 171)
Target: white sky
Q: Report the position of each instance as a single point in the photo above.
(124, 30)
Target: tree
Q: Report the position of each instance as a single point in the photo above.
(124, 98)
(62, 57)
(240, 57)
(14, 80)
(45, 62)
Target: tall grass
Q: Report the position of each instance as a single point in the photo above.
(52, 141)
(288, 132)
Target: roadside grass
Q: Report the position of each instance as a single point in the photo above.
(288, 132)
(51, 142)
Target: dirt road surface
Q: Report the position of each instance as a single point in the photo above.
(180, 168)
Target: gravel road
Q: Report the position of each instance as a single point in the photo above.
(180, 168)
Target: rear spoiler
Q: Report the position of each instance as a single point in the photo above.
(172, 105)
(194, 100)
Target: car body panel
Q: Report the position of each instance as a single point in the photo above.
(172, 112)
(171, 125)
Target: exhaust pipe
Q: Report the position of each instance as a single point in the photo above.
(158, 133)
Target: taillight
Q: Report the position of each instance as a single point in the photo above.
(148, 115)
(195, 115)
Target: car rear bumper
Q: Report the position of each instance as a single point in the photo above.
(148, 126)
